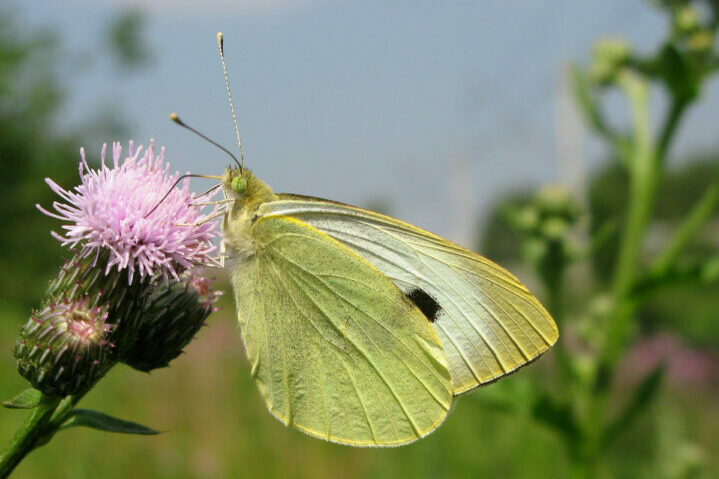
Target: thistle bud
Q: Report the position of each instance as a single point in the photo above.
(701, 41)
(174, 313)
(526, 219)
(608, 56)
(556, 201)
(686, 20)
(64, 348)
(89, 277)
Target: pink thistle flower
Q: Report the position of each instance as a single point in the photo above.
(108, 212)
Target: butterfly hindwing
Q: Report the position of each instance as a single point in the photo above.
(488, 322)
(336, 349)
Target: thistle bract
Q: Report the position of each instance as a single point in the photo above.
(64, 347)
(84, 278)
(175, 312)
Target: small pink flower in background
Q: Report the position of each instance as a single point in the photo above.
(108, 210)
(685, 365)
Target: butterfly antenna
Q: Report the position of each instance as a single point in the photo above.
(173, 187)
(221, 46)
(176, 119)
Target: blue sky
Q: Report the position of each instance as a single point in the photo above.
(434, 107)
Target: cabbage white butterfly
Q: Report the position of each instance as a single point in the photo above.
(362, 329)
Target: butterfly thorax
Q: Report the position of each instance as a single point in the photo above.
(249, 193)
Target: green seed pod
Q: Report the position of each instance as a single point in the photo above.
(554, 228)
(686, 20)
(174, 313)
(608, 56)
(64, 348)
(527, 218)
(701, 41)
(556, 201)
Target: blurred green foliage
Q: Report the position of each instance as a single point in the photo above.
(639, 258)
(584, 413)
(688, 309)
(125, 40)
(33, 146)
(30, 150)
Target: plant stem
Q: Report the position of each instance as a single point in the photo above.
(642, 172)
(64, 409)
(645, 161)
(26, 437)
(645, 168)
(37, 430)
(698, 216)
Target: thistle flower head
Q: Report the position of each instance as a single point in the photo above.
(109, 210)
(64, 347)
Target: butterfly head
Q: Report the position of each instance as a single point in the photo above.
(235, 182)
(241, 185)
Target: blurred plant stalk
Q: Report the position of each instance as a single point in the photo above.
(578, 407)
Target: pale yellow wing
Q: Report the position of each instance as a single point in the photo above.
(336, 349)
(488, 321)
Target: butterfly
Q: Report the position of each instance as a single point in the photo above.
(359, 328)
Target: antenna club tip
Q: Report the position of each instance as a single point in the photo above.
(174, 117)
(220, 39)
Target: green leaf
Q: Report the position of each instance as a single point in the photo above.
(557, 414)
(678, 74)
(28, 399)
(641, 399)
(104, 422)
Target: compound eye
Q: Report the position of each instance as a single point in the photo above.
(239, 184)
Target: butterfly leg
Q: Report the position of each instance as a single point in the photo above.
(209, 203)
(223, 250)
(207, 192)
(209, 218)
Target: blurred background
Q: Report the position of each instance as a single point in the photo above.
(573, 142)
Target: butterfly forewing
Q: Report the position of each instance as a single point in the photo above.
(337, 350)
(488, 322)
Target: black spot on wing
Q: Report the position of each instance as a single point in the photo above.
(426, 303)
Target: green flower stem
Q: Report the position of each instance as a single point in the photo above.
(645, 166)
(42, 424)
(63, 411)
(642, 172)
(698, 216)
(644, 161)
(587, 104)
(27, 436)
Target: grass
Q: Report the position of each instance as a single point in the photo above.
(215, 425)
